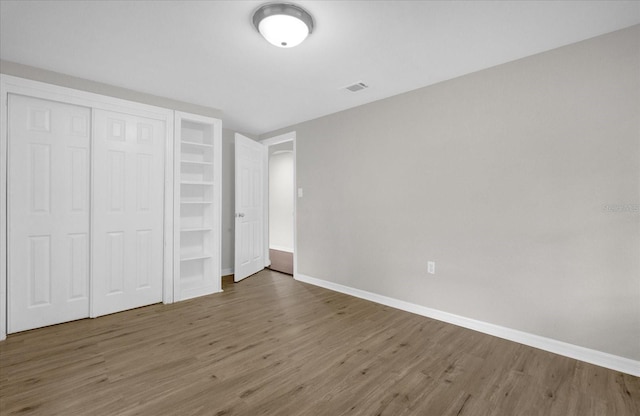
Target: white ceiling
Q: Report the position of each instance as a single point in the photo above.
(208, 52)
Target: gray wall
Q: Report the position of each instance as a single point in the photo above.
(512, 180)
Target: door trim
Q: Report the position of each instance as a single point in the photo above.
(282, 138)
(21, 86)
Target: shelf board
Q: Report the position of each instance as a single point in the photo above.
(197, 202)
(207, 183)
(194, 144)
(192, 230)
(192, 257)
(195, 162)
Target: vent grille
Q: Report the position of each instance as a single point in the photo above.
(359, 86)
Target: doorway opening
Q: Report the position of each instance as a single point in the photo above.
(281, 203)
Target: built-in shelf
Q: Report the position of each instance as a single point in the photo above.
(195, 162)
(194, 230)
(197, 202)
(197, 205)
(196, 257)
(196, 183)
(194, 144)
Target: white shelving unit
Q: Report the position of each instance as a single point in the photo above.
(198, 146)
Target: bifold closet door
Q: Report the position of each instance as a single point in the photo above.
(128, 188)
(48, 208)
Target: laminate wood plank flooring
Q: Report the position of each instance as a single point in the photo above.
(270, 345)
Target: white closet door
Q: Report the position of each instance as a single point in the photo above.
(128, 186)
(48, 201)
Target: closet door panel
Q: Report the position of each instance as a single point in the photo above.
(128, 190)
(48, 204)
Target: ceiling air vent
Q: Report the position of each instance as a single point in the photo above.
(357, 87)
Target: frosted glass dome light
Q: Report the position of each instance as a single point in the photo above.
(283, 25)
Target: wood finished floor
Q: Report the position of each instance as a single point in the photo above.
(274, 346)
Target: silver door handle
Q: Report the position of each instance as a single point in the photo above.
(240, 214)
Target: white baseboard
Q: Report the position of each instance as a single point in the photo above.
(226, 272)
(595, 357)
(281, 248)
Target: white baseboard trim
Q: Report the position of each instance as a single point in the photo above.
(281, 248)
(226, 272)
(595, 357)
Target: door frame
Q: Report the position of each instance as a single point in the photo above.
(21, 86)
(282, 138)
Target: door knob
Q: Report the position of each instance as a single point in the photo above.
(240, 214)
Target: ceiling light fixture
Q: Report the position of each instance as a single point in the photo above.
(283, 24)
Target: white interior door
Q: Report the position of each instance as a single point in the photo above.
(48, 250)
(127, 234)
(249, 203)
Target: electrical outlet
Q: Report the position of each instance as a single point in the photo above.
(431, 267)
